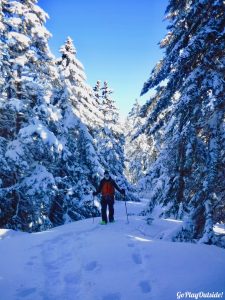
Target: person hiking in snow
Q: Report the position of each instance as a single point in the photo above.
(107, 189)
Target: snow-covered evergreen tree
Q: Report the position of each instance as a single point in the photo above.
(26, 113)
(97, 91)
(188, 118)
(108, 108)
(76, 173)
(139, 152)
(80, 93)
(110, 140)
(80, 122)
(39, 175)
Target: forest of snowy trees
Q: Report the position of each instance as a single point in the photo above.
(184, 121)
(58, 134)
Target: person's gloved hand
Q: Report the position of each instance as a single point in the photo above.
(123, 191)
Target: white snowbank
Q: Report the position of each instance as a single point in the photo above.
(87, 261)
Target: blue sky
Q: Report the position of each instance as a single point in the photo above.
(116, 41)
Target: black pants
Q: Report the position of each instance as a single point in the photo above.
(107, 201)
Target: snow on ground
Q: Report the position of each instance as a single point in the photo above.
(120, 261)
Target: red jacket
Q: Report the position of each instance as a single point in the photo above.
(107, 187)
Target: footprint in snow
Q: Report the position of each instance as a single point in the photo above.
(32, 260)
(72, 278)
(26, 292)
(33, 257)
(145, 286)
(130, 245)
(52, 266)
(91, 266)
(114, 296)
(61, 238)
(137, 258)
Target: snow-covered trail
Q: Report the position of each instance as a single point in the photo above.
(87, 261)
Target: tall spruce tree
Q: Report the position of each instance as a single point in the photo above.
(80, 93)
(110, 139)
(26, 111)
(139, 152)
(188, 117)
(97, 91)
(80, 121)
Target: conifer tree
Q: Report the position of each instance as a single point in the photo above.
(139, 152)
(80, 121)
(110, 138)
(79, 92)
(109, 110)
(97, 91)
(26, 116)
(188, 118)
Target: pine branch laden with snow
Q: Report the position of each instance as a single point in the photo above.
(186, 118)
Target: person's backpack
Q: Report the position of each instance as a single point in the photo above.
(108, 189)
